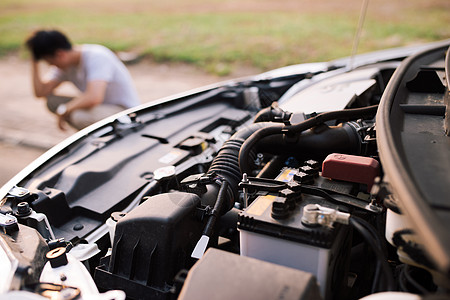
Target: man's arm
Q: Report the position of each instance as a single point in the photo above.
(41, 88)
(93, 96)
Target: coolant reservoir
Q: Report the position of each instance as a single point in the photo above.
(394, 222)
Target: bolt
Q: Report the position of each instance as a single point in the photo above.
(23, 209)
(78, 227)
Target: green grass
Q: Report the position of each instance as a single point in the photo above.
(219, 39)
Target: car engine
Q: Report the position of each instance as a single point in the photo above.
(287, 185)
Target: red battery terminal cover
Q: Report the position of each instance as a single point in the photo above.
(351, 168)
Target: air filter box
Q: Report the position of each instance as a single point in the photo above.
(151, 244)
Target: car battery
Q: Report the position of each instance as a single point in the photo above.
(321, 250)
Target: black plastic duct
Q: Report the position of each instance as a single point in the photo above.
(295, 130)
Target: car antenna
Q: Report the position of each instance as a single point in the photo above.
(362, 17)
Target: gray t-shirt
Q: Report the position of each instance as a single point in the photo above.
(100, 63)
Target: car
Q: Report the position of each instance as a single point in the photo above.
(315, 181)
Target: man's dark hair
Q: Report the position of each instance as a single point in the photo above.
(45, 43)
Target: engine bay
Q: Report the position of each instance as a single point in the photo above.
(269, 188)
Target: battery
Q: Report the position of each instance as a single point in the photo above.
(288, 242)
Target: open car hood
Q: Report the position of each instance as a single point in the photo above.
(328, 179)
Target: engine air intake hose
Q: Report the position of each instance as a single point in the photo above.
(226, 164)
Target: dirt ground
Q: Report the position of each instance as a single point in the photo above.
(27, 129)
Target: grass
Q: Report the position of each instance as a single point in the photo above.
(218, 35)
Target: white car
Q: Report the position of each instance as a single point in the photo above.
(325, 180)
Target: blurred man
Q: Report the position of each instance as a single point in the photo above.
(104, 81)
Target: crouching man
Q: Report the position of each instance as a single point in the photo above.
(105, 83)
